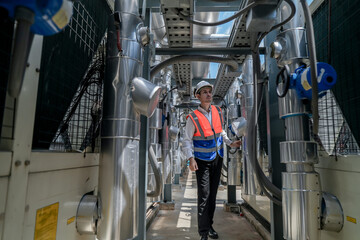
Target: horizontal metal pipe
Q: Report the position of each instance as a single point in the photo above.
(206, 51)
(186, 58)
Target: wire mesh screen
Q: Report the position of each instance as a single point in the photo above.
(80, 127)
(65, 60)
(334, 132)
(338, 42)
(6, 26)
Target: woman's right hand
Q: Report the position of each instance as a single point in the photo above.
(193, 165)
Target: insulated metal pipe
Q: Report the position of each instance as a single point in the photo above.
(234, 162)
(118, 173)
(153, 180)
(247, 104)
(301, 184)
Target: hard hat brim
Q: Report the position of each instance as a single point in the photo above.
(196, 91)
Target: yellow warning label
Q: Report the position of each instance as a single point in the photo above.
(70, 220)
(350, 219)
(61, 18)
(305, 84)
(46, 222)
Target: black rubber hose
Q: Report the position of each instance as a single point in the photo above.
(208, 24)
(285, 75)
(292, 14)
(198, 58)
(251, 135)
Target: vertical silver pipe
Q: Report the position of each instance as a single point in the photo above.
(234, 163)
(301, 184)
(165, 143)
(247, 104)
(155, 126)
(118, 173)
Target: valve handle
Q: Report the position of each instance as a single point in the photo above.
(284, 74)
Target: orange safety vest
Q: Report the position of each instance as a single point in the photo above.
(207, 139)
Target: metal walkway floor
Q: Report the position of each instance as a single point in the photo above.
(181, 223)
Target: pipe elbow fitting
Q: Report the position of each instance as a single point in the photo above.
(143, 35)
(276, 49)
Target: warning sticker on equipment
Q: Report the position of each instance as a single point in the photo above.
(46, 222)
(351, 219)
(70, 220)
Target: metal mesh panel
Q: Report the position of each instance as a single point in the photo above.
(334, 132)
(6, 26)
(80, 127)
(65, 60)
(341, 50)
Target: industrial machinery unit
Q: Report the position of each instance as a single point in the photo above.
(94, 97)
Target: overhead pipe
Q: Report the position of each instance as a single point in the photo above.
(200, 58)
(201, 69)
(207, 24)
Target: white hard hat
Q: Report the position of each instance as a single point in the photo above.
(200, 85)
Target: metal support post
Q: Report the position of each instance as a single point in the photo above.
(177, 178)
(231, 193)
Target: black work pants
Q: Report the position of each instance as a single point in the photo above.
(208, 177)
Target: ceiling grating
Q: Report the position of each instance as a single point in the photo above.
(179, 33)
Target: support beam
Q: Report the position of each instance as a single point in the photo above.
(206, 51)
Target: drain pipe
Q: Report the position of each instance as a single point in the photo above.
(126, 96)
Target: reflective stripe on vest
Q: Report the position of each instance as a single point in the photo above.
(207, 139)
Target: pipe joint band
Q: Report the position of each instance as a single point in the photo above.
(299, 152)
